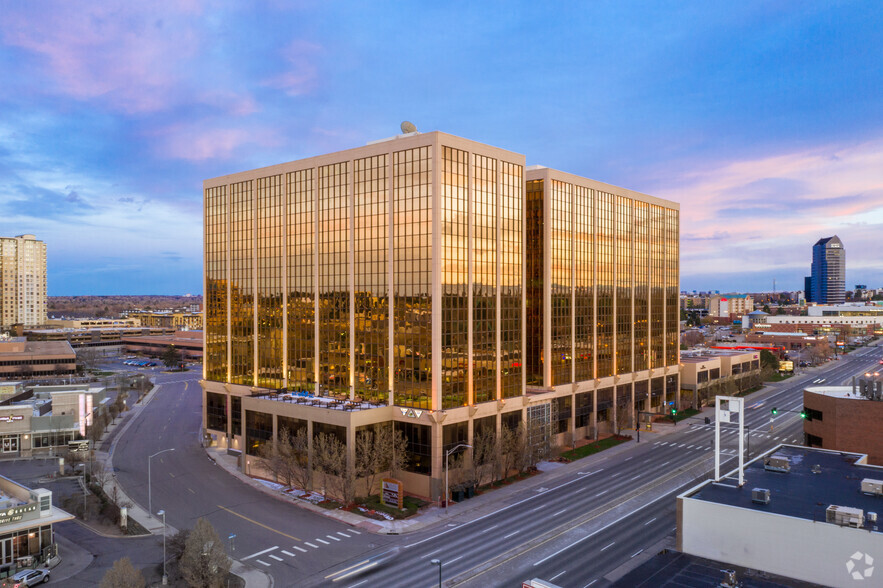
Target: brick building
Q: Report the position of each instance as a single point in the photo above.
(846, 418)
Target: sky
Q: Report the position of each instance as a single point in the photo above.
(764, 120)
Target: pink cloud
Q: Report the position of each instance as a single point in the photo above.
(301, 77)
(194, 143)
(118, 52)
(766, 212)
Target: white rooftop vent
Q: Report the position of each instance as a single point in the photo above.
(872, 487)
(845, 516)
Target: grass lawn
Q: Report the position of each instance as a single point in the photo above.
(373, 502)
(592, 448)
(685, 414)
(778, 377)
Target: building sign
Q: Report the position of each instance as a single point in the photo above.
(410, 412)
(392, 492)
(81, 445)
(8, 418)
(786, 366)
(15, 514)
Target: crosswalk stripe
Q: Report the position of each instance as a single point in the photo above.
(276, 558)
(308, 544)
(343, 534)
(332, 537)
(288, 553)
(299, 548)
(263, 563)
(322, 541)
(354, 531)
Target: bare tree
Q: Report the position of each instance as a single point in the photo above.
(509, 451)
(177, 543)
(204, 562)
(123, 575)
(369, 459)
(484, 455)
(286, 458)
(329, 457)
(393, 446)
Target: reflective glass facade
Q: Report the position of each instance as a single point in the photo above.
(385, 274)
(605, 289)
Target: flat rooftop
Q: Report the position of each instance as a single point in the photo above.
(837, 392)
(800, 493)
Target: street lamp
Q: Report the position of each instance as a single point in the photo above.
(149, 493)
(448, 454)
(437, 562)
(165, 577)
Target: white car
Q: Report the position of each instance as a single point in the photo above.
(29, 578)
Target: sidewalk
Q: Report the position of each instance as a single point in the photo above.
(253, 578)
(75, 559)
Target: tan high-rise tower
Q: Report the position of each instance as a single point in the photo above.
(22, 281)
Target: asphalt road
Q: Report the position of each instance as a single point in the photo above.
(615, 509)
(619, 505)
(282, 539)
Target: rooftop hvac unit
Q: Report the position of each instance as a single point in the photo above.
(760, 495)
(872, 517)
(845, 516)
(44, 497)
(777, 462)
(872, 487)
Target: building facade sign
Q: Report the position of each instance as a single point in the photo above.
(8, 418)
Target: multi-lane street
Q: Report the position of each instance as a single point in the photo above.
(614, 509)
(292, 542)
(573, 525)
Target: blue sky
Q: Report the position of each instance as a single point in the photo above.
(763, 119)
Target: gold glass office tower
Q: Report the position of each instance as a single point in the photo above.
(387, 282)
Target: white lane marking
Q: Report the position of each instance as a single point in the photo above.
(308, 544)
(450, 561)
(666, 463)
(552, 579)
(590, 583)
(343, 534)
(636, 554)
(261, 552)
(498, 511)
(609, 546)
(628, 458)
(494, 527)
(601, 493)
(657, 443)
(354, 531)
(682, 445)
(332, 537)
(635, 477)
(288, 553)
(559, 512)
(777, 439)
(277, 558)
(299, 548)
(537, 508)
(614, 475)
(605, 527)
(322, 541)
(357, 584)
(663, 443)
(436, 551)
(263, 563)
(650, 521)
(506, 537)
(690, 447)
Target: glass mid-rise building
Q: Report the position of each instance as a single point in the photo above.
(387, 283)
(602, 289)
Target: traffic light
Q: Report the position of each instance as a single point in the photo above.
(803, 413)
(774, 410)
(674, 412)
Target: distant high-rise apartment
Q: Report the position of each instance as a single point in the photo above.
(22, 281)
(828, 279)
(386, 285)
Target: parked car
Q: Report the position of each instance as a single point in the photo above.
(29, 578)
